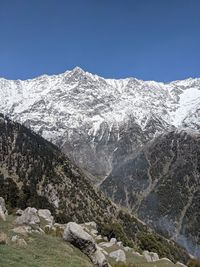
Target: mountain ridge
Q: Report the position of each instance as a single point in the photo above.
(85, 114)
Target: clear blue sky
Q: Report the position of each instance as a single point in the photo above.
(147, 39)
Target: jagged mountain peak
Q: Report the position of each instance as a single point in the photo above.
(76, 108)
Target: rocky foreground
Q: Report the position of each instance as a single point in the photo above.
(21, 232)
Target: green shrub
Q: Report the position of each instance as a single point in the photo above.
(115, 230)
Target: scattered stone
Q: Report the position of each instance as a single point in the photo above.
(106, 244)
(94, 232)
(127, 249)
(29, 216)
(99, 237)
(118, 255)
(105, 238)
(14, 238)
(19, 212)
(23, 230)
(113, 240)
(135, 253)
(120, 244)
(75, 234)
(3, 239)
(46, 215)
(92, 224)
(150, 256)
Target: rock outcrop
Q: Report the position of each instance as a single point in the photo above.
(75, 234)
(29, 217)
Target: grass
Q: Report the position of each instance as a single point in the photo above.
(50, 251)
(42, 251)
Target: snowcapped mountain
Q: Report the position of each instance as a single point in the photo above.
(100, 121)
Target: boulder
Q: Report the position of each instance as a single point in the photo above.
(3, 210)
(2, 214)
(3, 206)
(46, 215)
(113, 240)
(3, 239)
(150, 256)
(127, 249)
(29, 216)
(75, 234)
(118, 255)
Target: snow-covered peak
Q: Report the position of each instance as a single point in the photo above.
(79, 98)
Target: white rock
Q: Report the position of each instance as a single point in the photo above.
(3, 210)
(120, 244)
(14, 238)
(2, 214)
(29, 216)
(106, 244)
(127, 249)
(150, 256)
(94, 232)
(135, 253)
(46, 215)
(19, 212)
(92, 224)
(118, 255)
(113, 240)
(75, 234)
(99, 237)
(3, 205)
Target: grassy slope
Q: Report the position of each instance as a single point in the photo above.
(48, 251)
(42, 251)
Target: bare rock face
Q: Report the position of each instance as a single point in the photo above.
(3, 210)
(75, 234)
(29, 216)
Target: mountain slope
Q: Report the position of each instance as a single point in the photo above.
(162, 186)
(98, 121)
(33, 172)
